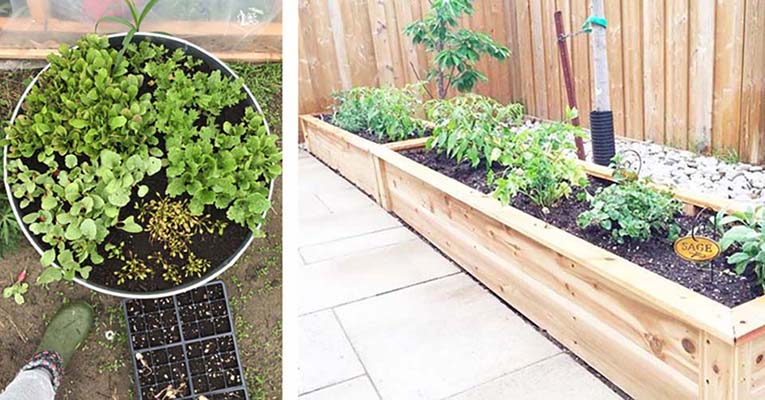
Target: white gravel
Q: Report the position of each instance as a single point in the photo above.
(698, 173)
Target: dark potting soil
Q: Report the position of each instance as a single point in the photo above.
(715, 281)
(371, 136)
(194, 363)
(218, 249)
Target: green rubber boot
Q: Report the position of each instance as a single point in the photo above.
(67, 329)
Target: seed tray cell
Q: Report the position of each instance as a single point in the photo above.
(185, 344)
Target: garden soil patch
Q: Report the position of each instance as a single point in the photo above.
(368, 135)
(715, 281)
(102, 369)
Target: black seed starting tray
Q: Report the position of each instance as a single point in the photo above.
(184, 347)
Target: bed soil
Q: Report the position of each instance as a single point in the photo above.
(369, 135)
(218, 249)
(714, 280)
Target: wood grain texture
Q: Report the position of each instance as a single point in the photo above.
(652, 337)
(688, 73)
(729, 51)
(343, 151)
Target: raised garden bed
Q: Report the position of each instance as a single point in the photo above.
(185, 345)
(652, 337)
(140, 181)
(345, 152)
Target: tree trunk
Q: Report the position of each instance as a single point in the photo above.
(440, 80)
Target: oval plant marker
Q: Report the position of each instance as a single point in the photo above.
(696, 249)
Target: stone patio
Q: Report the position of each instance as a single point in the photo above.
(385, 316)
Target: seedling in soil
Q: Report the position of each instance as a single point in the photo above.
(18, 289)
(185, 346)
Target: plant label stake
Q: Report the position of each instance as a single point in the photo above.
(698, 249)
(569, 80)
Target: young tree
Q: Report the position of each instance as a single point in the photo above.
(457, 50)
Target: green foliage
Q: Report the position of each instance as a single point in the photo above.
(86, 139)
(80, 202)
(230, 169)
(632, 210)
(171, 223)
(133, 26)
(17, 290)
(83, 104)
(456, 50)
(745, 232)
(472, 127)
(9, 228)
(539, 164)
(265, 82)
(387, 112)
(229, 166)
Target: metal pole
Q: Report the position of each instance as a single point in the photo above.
(569, 80)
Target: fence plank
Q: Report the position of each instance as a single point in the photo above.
(580, 55)
(552, 64)
(702, 59)
(753, 90)
(379, 33)
(526, 56)
(653, 70)
(632, 37)
(676, 73)
(512, 71)
(537, 40)
(687, 72)
(615, 66)
(729, 41)
(358, 42)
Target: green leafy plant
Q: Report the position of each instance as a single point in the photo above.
(632, 210)
(18, 289)
(79, 203)
(745, 232)
(539, 164)
(171, 223)
(9, 228)
(456, 50)
(133, 26)
(472, 127)
(229, 169)
(86, 102)
(387, 112)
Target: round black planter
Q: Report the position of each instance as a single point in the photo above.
(172, 43)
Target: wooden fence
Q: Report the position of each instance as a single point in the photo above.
(687, 73)
(38, 32)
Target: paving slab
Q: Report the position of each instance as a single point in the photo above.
(309, 206)
(439, 338)
(559, 377)
(343, 247)
(326, 356)
(332, 227)
(346, 200)
(315, 177)
(370, 273)
(355, 389)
